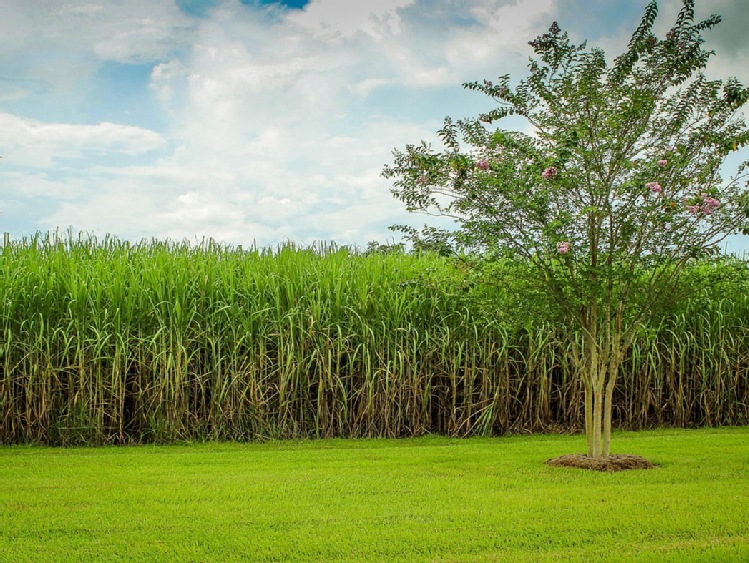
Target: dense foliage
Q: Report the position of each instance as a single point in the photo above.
(110, 342)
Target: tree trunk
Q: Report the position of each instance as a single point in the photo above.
(598, 364)
(598, 361)
(608, 412)
(600, 381)
(598, 421)
(589, 417)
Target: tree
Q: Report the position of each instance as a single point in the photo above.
(610, 196)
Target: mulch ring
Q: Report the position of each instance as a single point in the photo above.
(611, 463)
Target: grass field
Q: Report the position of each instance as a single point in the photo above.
(421, 499)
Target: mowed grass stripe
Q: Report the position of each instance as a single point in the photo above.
(421, 499)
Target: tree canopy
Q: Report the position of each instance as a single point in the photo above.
(614, 186)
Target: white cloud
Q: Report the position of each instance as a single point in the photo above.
(281, 124)
(271, 104)
(36, 144)
(339, 19)
(278, 122)
(507, 29)
(130, 32)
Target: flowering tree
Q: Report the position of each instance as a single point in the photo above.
(614, 190)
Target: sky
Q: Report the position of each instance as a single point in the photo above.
(259, 122)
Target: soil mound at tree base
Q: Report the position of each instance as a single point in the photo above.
(611, 463)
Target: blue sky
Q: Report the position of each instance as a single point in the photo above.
(258, 121)
(202, 8)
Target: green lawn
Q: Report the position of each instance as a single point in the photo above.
(427, 499)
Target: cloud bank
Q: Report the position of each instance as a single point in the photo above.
(272, 123)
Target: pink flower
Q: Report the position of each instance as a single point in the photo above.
(654, 187)
(422, 180)
(709, 204)
(563, 247)
(662, 162)
(549, 173)
(482, 164)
